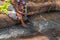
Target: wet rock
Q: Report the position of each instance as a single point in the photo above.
(15, 31)
(5, 21)
(42, 23)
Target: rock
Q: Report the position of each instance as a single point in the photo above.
(32, 38)
(5, 21)
(57, 4)
(40, 7)
(46, 21)
(46, 6)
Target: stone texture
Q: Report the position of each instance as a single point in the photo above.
(5, 21)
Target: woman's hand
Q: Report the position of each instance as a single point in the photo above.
(13, 2)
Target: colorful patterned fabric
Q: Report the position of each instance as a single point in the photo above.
(22, 8)
(12, 13)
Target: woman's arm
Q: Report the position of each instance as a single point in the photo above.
(16, 8)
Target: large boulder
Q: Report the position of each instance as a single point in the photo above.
(40, 7)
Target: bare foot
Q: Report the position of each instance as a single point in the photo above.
(24, 25)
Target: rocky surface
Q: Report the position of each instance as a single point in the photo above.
(48, 24)
(5, 21)
(45, 23)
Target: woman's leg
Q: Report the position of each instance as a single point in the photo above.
(20, 19)
(32, 13)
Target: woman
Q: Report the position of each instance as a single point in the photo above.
(19, 12)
